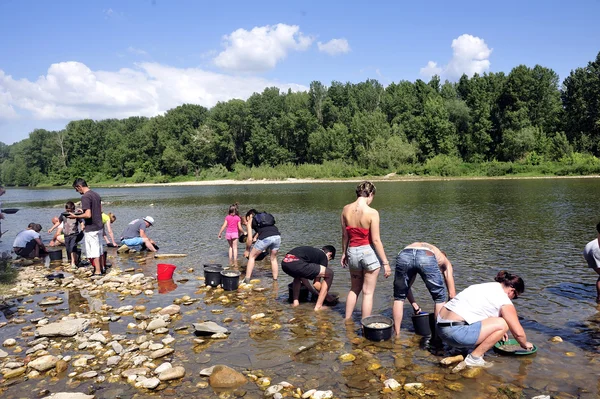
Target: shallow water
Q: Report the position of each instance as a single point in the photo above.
(535, 228)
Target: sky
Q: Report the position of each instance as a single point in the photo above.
(70, 60)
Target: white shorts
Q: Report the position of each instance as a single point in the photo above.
(93, 245)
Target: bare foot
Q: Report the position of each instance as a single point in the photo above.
(295, 303)
(322, 307)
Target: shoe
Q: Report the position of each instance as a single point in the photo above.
(479, 362)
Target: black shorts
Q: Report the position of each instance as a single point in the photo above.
(27, 251)
(71, 243)
(301, 269)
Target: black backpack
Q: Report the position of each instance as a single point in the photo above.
(264, 219)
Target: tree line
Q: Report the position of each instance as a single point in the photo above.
(524, 117)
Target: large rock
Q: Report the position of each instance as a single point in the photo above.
(64, 328)
(43, 363)
(226, 377)
(156, 324)
(209, 328)
(69, 395)
(3, 354)
(170, 310)
(172, 374)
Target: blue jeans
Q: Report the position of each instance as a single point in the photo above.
(132, 242)
(460, 336)
(411, 262)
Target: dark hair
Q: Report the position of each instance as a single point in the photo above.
(79, 182)
(365, 189)
(511, 280)
(329, 248)
(598, 227)
(251, 212)
(70, 205)
(31, 225)
(233, 209)
(37, 228)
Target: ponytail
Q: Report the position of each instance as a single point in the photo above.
(510, 280)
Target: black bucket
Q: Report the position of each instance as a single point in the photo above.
(230, 279)
(212, 276)
(55, 255)
(424, 324)
(303, 297)
(213, 266)
(377, 333)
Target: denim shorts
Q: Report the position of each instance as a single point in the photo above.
(411, 262)
(362, 258)
(271, 242)
(460, 336)
(132, 242)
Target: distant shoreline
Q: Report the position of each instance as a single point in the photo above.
(231, 182)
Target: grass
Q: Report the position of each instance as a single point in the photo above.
(8, 274)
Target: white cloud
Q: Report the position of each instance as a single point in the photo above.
(261, 48)
(470, 55)
(334, 46)
(137, 51)
(108, 13)
(71, 90)
(430, 69)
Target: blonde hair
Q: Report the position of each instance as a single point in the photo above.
(112, 217)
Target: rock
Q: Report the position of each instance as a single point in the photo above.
(117, 347)
(64, 328)
(43, 363)
(452, 359)
(135, 371)
(14, 365)
(113, 361)
(156, 324)
(163, 367)
(98, 337)
(172, 373)
(3, 354)
(10, 342)
(161, 352)
(556, 339)
(86, 375)
(392, 384)
(12, 373)
(161, 330)
(347, 357)
(61, 366)
(81, 362)
(322, 395)
(207, 371)
(226, 377)
(219, 336)
(51, 301)
(272, 390)
(69, 395)
(209, 328)
(149, 383)
(257, 316)
(472, 372)
(170, 310)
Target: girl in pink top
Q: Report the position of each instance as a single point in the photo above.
(233, 223)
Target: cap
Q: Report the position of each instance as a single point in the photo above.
(149, 219)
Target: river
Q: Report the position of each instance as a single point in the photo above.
(536, 228)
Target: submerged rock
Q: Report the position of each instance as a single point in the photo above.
(209, 328)
(43, 363)
(69, 395)
(226, 377)
(172, 373)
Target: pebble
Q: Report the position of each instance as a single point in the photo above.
(163, 367)
(172, 373)
(10, 342)
(148, 383)
(161, 353)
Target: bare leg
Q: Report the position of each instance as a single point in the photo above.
(230, 242)
(368, 290)
(274, 265)
(492, 331)
(96, 262)
(296, 291)
(251, 260)
(325, 284)
(234, 246)
(356, 284)
(597, 286)
(397, 313)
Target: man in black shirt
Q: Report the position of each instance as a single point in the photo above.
(91, 203)
(309, 263)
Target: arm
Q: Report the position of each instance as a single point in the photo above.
(40, 243)
(54, 240)
(448, 272)
(509, 314)
(250, 233)
(376, 240)
(344, 260)
(143, 234)
(222, 228)
(85, 215)
(110, 233)
(240, 229)
(54, 226)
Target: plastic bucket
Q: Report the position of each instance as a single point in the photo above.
(303, 297)
(55, 255)
(424, 323)
(213, 266)
(379, 333)
(212, 276)
(164, 271)
(230, 280)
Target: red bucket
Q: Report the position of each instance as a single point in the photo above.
(166, 286)
(164, 271)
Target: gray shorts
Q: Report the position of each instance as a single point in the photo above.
(362, 258)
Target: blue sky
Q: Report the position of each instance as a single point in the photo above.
(66, 60)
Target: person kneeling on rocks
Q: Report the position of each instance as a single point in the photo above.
(28, 243)
(309, 263)
(135, 233)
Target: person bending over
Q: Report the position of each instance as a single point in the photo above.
(135, 233)
(309, 263)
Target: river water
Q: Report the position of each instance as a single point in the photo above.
(536, 228)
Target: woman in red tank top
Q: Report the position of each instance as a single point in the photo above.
(362, 250)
